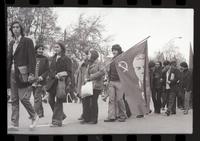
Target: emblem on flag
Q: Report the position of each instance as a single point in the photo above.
(123, 65)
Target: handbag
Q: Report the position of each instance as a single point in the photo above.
(61, 89)
(23, 76)
(87, 89)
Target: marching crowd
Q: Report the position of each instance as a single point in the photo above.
(29, 71)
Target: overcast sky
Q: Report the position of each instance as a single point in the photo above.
(131, 25)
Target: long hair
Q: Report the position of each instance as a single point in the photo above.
(21, 28)
(62, 46)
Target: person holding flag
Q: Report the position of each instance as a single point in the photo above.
(116, 107)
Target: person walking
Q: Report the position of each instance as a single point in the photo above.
(165, 85)
(41, 72)
(60, 70)
(157, 87)
(21, 67)
(172, 79)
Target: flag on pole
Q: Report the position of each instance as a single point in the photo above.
(132, 67)
(191, 58)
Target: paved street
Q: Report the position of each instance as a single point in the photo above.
(152, 123)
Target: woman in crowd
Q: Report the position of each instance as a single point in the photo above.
(92, 73)
(41, 72)
(60, 69)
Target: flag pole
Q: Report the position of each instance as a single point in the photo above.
(123, 52)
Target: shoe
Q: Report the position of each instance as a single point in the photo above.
(64, 117)
(109, 120)
(45, 101)
(83, 122)
(185, 112)
(41, 116)
(121, 119)
(80, 118)
(92, 122)
(54, 125)
(10, 101)
(182, 108)
(13, 127)
(173, 113)
(150, 111)
(139, 116)
(34, 122)
(163, 109)
(167, 113)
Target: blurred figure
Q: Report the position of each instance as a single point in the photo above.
(157, 87)
(80, 80)
(151, 71)
(172, 80)
(181, 93)
(166, 88)
(74, 68)
(186, 82)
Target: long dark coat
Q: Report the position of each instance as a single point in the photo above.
(62, 64)
(24, 56)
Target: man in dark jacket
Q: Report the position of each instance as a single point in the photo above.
(186, 83)
(172, 80)
(157, 87)
(165, 87)
(21, 65)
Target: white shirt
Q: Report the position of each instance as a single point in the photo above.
(57, 57)
(17, 40)
(167, 78)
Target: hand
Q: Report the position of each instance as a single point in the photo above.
(31, 78)
(57, 76)
(87, 79)
(40, 78)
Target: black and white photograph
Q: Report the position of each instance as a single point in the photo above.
(99, 70)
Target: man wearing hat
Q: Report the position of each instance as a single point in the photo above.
(116, 107)
(186, 83)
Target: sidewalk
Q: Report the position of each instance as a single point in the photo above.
(151, 124)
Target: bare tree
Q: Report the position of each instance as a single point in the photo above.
(87, 33)
(39, 23)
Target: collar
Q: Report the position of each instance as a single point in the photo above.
(18, 39)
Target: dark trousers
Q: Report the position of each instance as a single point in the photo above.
(180, 98)
(156, 97)
(22, 94)
(37, 93)
(172, 100)
(90, 107)
(57, 108)
(165, 98)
